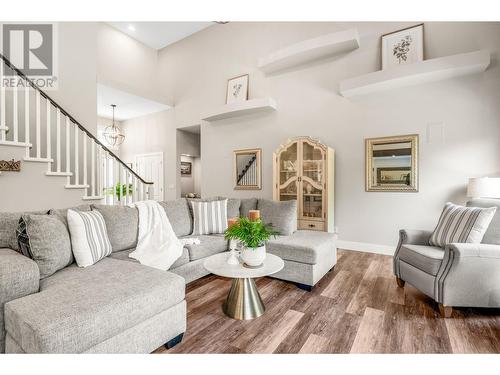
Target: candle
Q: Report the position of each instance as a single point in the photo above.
(232, 221)
(254, 215)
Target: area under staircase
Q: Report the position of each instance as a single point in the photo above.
(49, 135)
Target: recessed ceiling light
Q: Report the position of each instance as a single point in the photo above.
(131, 27)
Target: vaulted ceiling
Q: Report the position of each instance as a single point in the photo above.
(158, 35)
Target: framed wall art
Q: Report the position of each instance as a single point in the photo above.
(392, 163)
(404, 46)
(237, 89)
(186, 168)
(248, 169)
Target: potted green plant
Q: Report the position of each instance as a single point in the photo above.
(119, 190)
(253, 235)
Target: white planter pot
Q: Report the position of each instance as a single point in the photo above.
(253, 257)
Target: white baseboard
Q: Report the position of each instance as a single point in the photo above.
(366, 247)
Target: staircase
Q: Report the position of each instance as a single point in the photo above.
(31, 120)
(248, 175)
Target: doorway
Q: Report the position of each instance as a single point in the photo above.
(150, 168)
(189, 160)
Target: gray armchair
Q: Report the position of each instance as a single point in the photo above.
(462, 274)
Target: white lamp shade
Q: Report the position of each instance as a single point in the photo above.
(483, 187)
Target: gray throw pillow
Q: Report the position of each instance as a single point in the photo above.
(46, 240)
(122, 224)
(492, 235)
(246, 205)
(233, 208)
(9, 222)
(179, 215)
(282, 215)
(62, 213)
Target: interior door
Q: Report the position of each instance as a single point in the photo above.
(150, 168)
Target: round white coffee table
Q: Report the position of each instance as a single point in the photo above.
(243, 301)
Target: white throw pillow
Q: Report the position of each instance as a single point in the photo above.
(459, 224)
(89, 238)
(209, 217)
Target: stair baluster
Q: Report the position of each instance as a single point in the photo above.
(134, 187)
(58, 139)
(116, 176)
(85, 164)
(92, 169)
(15, 119)
(27, 117)
(68, 149)
(38, 132)
(49, 133)
(77, 156)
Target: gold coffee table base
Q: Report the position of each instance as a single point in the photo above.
(243, 301)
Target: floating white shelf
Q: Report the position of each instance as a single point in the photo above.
(417, 73)
(238, 109)
(310, 50)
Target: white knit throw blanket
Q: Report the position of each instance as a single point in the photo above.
(157, 244)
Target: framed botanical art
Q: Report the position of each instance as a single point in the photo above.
(404, 46)
(237, 89)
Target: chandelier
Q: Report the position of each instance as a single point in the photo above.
(112, 134)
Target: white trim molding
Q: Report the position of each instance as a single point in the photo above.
(366, 247)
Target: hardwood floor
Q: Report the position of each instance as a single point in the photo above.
(357, 308)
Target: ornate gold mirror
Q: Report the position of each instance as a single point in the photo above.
(392, 163)
(247, 169)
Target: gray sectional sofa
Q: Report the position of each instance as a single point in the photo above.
(118, 305)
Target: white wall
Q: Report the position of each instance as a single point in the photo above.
(197, 165)
(188, 143)
(126, 64)
(194, 72)
(77, 91)
(153, 133)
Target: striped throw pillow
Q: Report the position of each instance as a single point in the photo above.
(89, 238)
(209, 217)
(459, 224)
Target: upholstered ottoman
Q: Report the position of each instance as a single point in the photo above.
(308, 256)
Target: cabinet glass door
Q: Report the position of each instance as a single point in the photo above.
(288, 164)
(312, 181)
